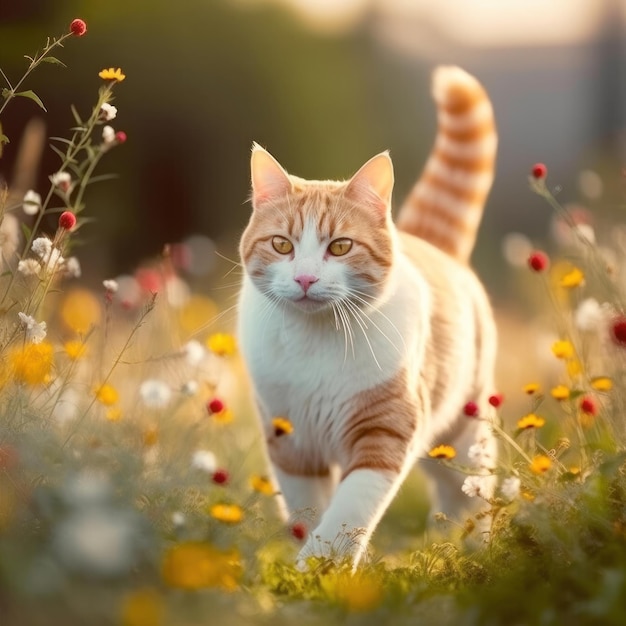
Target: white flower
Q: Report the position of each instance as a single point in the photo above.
(110, 285)
(72, 267)
(35, 332)
(510, 487)
(190, 388)
(31, 202)
(588, 315)
(42, 246)
(62, 180)
(516, 248)
(50, 257)
(178, 518)
(472, 485)
(108, 112)
(155, 393)
(194, 352)
(204, 460)
(29, 267)
(108, 134)
(479, 454)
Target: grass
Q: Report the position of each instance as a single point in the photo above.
(129, 496)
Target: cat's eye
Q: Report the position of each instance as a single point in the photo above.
(339, 247)
(281, 245)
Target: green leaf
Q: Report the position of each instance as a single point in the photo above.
(26, 231)
(53, 60)
(76, 116)
(31, 95)
(59, 152)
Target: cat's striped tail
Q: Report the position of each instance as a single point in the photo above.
(446, 204)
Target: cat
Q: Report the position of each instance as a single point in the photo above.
(370, 337)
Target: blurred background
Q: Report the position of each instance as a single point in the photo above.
(324, 85)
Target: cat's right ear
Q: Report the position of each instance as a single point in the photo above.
(269, 180)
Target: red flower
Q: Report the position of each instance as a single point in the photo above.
(120, 136)
(539, 171)
(618, 330)
(496, 400)
(471, 409)
(298, 530)
(215, 405)
(67, 220)
(220, 476)
(78, 27)
(588, 405)
(538, 261)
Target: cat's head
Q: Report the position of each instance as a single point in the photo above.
(314, 243)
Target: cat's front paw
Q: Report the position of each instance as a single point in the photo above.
(344, 545)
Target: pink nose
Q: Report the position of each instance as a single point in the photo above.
(305, 281)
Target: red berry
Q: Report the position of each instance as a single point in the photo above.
(67, 220)
(538, 261)
(471, 409)
(539, 171)
(618, 330)
(215, 405)
(298, 530)
(120, 136)
(78, 27)
(588, 406)
(220, 476)
(496, 400)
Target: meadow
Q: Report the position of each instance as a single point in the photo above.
(132, 474)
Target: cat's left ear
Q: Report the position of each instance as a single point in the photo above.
(373, 183)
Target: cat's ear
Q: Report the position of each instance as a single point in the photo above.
(373, 183)
(269, 179)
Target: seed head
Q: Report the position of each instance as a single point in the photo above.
(78, 27)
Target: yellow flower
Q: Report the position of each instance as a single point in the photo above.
(560, 392)
(282, 426)
(359, 592)
(112, 74)
(573, 278)
(563, 349)
(602, 383)
(81, 310)
(531, 388)
(229, 513)
(32, 363)
(221, 344)
(540, 464)
(150, 436)
(107, 394)
(574, 367)
(143, 607)
(196, 565)
(442, 452)
(263, 485)
(75, 349)
(223, 417)
(530, 421)
(114, 414)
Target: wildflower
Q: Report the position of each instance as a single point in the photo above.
(282, 426)
(150, 436)
(31, 203)
(178, 518)
(602, 383)
(496, 400)
(516, 248)
(74, 349)
(194, 353)
(215, 405)
(531, 388)
(142, 608)
(204, 460)
(196, 565)
(108, 134)
(42, 247)
(538, 261)
(223, 417)
(359, 593)
(510, 487)
(227, 513)
(107, 394)
(479, 454)
(560, 392)
(618, 330)
(80, 310)
(540, 464)
(442, 452)
(32, 363)
(78, 27)
(539, 171)
(573, 367)
(120, 136)
(67, 220)
(112, 74)
(72, 267)
(472, 486)
(221, 344)
(588, 405)
(35, 332)
(563, 349)
(62, 180)
(262, 484)
(530, 421)
(298, 530)
(220, 476)
(155, 393)
(573, 278)
(114, 414)
(107, 112)
(588, 315)
(110, 285)
(29, 267)
(471, 409)
(190, 388)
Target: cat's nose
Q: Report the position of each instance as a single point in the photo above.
(305, 281)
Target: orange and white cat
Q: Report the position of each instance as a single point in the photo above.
(371, 337)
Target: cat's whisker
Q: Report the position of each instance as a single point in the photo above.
(347, 329)
(351, 308)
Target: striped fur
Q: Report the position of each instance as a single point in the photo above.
(445, 206)
(371, 354)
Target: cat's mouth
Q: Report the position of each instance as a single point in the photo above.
(309, 304)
